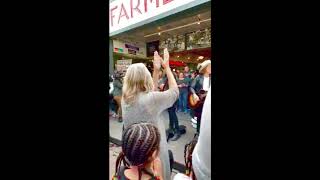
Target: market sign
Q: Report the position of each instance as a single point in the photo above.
(131, 47)
(124, 13)
(123, 64)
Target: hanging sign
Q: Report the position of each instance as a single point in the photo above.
(123, 64)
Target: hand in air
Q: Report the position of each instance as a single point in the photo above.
(157, 61)
(166, 57)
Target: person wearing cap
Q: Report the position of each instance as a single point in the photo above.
(201, 82)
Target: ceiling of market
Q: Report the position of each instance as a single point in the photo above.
(137, 36)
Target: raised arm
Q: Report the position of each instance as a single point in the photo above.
(164, 100)
(171, 80)
(156, 70)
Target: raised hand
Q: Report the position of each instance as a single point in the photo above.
(157, 61)
(166, 57)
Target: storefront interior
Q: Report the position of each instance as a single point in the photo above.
(187, 36)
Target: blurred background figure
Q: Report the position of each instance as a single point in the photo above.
(117, 92)
(112, 106)
(183, 83)
(187, 72)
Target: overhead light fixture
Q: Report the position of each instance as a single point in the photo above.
(179, 27)
(200, 57)
(159, 33)
(178, 56)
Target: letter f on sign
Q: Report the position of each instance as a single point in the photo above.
(111, 14)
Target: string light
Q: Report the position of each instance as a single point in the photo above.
(179, 27)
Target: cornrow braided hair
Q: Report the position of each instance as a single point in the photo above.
(188, 150)
(139, 142)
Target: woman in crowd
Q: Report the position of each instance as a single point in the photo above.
(199, 84)
(140, 150)
(117, 93)
(182, 82)
(141, 103)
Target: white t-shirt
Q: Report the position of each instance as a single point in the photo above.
(206, 83)
(180, 176)
(201, 156)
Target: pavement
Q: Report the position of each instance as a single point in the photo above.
(177, 147)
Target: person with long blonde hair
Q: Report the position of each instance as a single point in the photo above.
(142, 102)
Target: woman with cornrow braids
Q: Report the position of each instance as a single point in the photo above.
(142, 102)
(140, 149)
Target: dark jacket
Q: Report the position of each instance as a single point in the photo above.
(197, 83)
(117, 85)
(164, 80)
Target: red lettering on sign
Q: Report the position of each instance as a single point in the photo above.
(125, 13)
(146, 4)
(166, 1)
(111, 15)
(136, 8)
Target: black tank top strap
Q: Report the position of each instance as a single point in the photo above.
(121, 175)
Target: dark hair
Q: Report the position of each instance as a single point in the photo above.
(139, 142)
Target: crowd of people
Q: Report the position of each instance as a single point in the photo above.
(144, 102)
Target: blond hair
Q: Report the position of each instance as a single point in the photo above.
(137, 79)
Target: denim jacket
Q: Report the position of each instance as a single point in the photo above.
(117, 87)
(197, 83)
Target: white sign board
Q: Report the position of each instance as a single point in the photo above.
(123, 64)
(124, 13)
